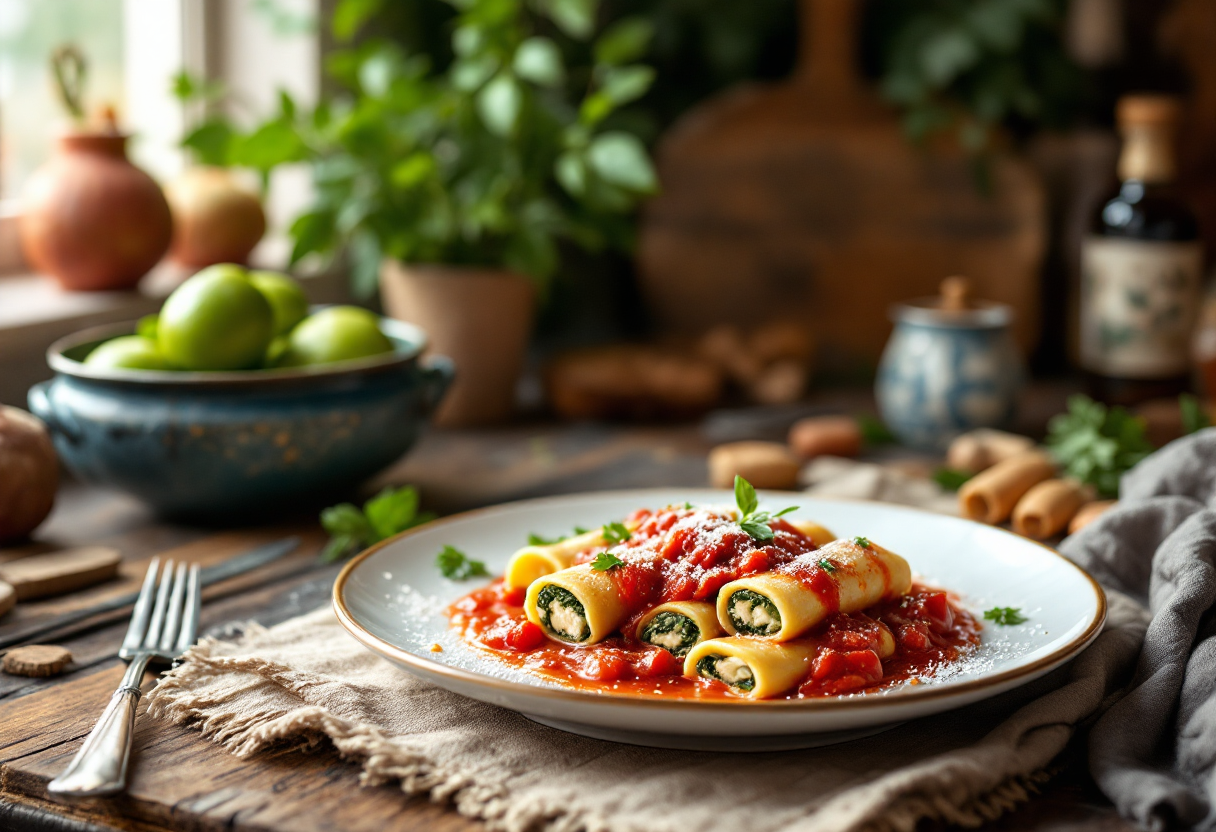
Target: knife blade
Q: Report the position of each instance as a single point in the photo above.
(238, 565)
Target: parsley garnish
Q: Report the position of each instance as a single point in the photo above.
(535, 539)
(863, 542)
(827, 566)
(616, 532)
(1006, 616)
(755, 523)
(605, 561)
(350, 528)
(687, 506)
(456, 565)
(1097, 444)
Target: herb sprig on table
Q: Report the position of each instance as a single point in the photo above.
(352, 528)
(1097, 444)
(754, 522)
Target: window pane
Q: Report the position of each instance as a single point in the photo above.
(30, 111)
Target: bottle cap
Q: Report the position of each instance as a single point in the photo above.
(1147, 109)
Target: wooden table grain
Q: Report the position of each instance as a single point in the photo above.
(179, 781)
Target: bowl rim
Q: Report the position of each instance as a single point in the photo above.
(414, 337)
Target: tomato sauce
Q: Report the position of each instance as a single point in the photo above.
(930, 631)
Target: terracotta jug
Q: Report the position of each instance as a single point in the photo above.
(91, 219)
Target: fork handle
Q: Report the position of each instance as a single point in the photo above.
(100, 766)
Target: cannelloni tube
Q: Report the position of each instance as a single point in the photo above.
(755, 668)
(990, 496)
(813, 530)
(1047, 508)
(532, 562)
(577, 605)
(785, 603)
(678, 626)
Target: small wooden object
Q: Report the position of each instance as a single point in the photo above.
(8, 598)
(982, 448)
(763, 464)
(37, 660)
(1047, 508)
(56, 573)
(826, 436)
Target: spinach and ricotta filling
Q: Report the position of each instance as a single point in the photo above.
(675, 633)
(562, 614)
(753, 614)
(729, 669)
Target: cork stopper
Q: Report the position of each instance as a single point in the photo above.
(1148, 110)
(956, 294)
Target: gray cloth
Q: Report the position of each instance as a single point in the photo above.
(1154, 751)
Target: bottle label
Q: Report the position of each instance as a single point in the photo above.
(1139, 303)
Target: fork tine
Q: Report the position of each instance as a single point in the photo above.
(173, 618)
(152, 638)
(143, 608)
(194, 602)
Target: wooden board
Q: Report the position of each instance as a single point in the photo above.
(805, 200)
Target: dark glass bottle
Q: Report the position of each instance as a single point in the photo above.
(1141, 267)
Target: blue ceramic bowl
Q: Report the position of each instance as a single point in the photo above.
(217, 445)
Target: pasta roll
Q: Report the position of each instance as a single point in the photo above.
(532, 562)
(990, 496)
(755, 668)
(577, 605)
(813, 530)
(678, 626)
(1047, 508)
(785, 603)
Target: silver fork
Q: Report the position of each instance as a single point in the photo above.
(160, 631)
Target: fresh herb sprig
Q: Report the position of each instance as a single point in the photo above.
(535, 539)
(827, 566)
(1097, 444)
(458, 566)
(754, 522)
(605, 561)
(352, 528)
(616, 532)
(1194, 417)
(1005, 616)
(863, 542)
(951, 479)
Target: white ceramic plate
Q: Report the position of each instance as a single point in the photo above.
(392, 598)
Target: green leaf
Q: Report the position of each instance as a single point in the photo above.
(391, 511)
(624, 41)
(1097, 444)
(270, 145)
(378, 71)
(616, 532)
(467, 40)
(595, 108)
(622, 160)
(312, 233)
(348, 531)
(1005, 616)
(951, 479)
(211, 142)
(627, 83)
(412, 170)
(863, 542)
(350, 16)
(874, 432)
(498, 104)
(571, 172)
(827, 566)
(468, 75)
(605, 561)
(574, 17)
(458, 566)
(785, 511)
(758, 531)
(339, 547)
(745, 497)
(537, 540)
(1193, 416)
(365, 259)
(540, 61)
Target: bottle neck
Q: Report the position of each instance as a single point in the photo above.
(1147, 156)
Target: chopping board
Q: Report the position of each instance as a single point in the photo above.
(805, 200)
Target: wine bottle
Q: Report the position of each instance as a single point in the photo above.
(1141, 266)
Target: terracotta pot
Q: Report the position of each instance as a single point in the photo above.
(215, 218)
(92, 220)
(480, 318)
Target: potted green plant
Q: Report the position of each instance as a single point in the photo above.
(453, 191)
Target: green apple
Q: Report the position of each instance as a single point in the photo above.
(338, 333)
(285, 297)
(131, 352)
(216, 320)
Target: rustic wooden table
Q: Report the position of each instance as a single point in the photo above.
(179, 781)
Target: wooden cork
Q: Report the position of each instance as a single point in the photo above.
(36, 660)
(56, 573)
(763, 464)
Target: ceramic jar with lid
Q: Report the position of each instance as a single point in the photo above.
(950, 366)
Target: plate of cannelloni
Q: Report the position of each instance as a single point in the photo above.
(699, 618)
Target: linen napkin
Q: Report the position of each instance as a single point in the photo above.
(1154, 752)
(307, 680)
